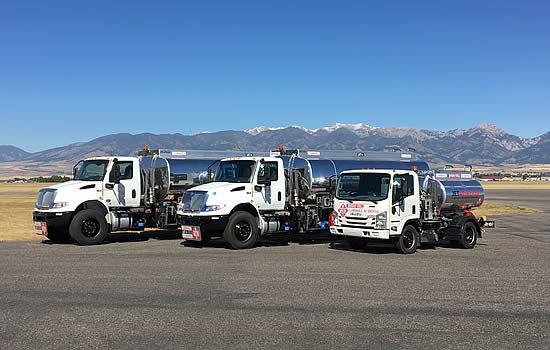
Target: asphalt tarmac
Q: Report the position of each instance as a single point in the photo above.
(143, 292)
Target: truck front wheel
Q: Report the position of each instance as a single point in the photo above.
(88, 227)
(407, 242)
(241, 231)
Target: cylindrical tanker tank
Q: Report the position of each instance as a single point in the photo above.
(186, 173)
(454, 189)
(320, 171)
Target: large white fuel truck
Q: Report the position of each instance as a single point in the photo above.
(287, 190)
(407, 207)
(111, 194)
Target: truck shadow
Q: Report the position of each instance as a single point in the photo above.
(368, 249)
(388, 248)
(271, 240)
(126, 237)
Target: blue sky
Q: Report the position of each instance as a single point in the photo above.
(71, 71)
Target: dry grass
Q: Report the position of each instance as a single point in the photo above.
(16, 205)
(516, 185)
(490, 208)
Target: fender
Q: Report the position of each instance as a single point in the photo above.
(458, 222)
(246, 207)
(99, 205)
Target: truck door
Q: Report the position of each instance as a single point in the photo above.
(269, 190)
(127, 192)
(403, 205)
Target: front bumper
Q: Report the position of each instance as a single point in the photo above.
(360, 232)
(56, 221)
(213, 225)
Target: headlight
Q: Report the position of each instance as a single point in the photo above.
(59, 205)
(214, 207)
(381, 221)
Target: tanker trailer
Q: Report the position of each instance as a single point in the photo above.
(408, 208)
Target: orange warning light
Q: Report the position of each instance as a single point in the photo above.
(145, 148)
(414, 167)
(281, 147)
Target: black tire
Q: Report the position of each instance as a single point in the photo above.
(408, 240)
(58, 236)
(468, 236)
(356, 243)
(241, 231)
(88, 227)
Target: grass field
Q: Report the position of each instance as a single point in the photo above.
(516, 185)
(17, 203)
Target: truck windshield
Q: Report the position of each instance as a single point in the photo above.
(364, 187)
(91, 170)
(235, 171)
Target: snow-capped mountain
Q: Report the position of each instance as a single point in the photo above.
(482, 144)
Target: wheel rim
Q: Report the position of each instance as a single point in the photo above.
(408, 239)
(243, 231)
(469, 235)
(90, 227)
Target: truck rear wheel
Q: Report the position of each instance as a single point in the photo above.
(241, 231)
(88, 227)
(408, 240)
(468, 236)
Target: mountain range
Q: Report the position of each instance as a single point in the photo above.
(484, 144)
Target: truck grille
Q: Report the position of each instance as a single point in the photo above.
(367, 222)
(45, 198)
(193, 200)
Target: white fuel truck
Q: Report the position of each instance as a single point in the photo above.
(287, 190)
(407, 207)
(111, 194)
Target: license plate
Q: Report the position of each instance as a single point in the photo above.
(40, 228)
(191, 233)
(490, 224)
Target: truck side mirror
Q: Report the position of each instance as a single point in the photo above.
(114, 175)
(404, 188)
(267, 175)
(75, 168)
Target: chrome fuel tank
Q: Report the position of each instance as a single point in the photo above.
(455, 189)
(320, 171)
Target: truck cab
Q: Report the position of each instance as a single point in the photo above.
(80, 208)
(377, 204)
(235, 204)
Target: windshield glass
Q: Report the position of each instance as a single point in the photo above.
(91, 170)
(364, 187)
(235, 171)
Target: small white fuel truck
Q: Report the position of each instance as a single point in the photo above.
(407, 207)
(287, 190)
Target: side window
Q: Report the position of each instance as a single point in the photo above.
(403, 186)
(271, 167)
(126, 170)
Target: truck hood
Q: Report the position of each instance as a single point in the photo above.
(76, 185)
(220, 186)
